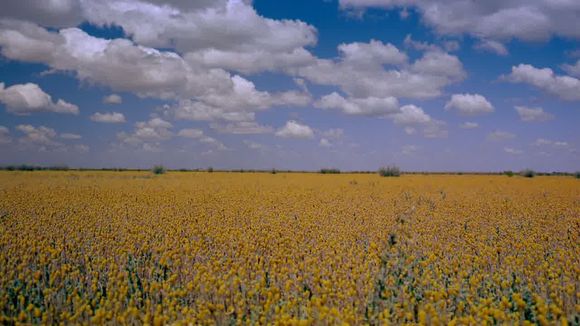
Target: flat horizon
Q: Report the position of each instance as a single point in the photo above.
(293, 85)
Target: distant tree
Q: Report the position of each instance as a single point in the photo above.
(330, 171)
(528, 173)
(158, 169)
(390, 171)
(58, 168)
(509, 173)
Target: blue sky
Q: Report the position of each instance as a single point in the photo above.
(433, 85)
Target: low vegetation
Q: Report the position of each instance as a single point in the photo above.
(509, 173)
(330, 171)
(390, 171)
(528, 173)
(158, 169)
(128, 248)
(27, 167)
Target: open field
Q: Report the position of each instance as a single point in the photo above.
(228, 248)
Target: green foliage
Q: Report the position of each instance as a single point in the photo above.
(26, 167)
(528, 173)
(210, 169)
(330, 171)
(390, 171)
(509, 173)
(158, 169)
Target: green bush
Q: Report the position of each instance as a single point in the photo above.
(509, 173)
(390, 171)
(26, 167)
(577, 174)
(330, 171)
(158, 169)
(528, 173)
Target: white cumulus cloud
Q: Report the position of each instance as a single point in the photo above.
(324, 143)
(492, 46)
(469, 104)
(147, 135)
(469, 125)
(528, 114)
(412, 117)
(120, 64)
(295, 129)
(552, 143)
(201, 137)
(384, 72)
(113, 99)
(371, 106)
(5, 135)
(495, 20)
(564, 87)
(23, 99)
(39, 138)
(108, 117)
(190, 133)
(242, 128)
(572, 69)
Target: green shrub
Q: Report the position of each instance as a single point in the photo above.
(390, 171)
(26, 167)
(528, 173)
(158, 169)
(509, 173)
(210, 169)
(330, 171)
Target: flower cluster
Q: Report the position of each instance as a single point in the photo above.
(288, 249)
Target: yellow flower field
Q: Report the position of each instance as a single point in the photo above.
(290, 249)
